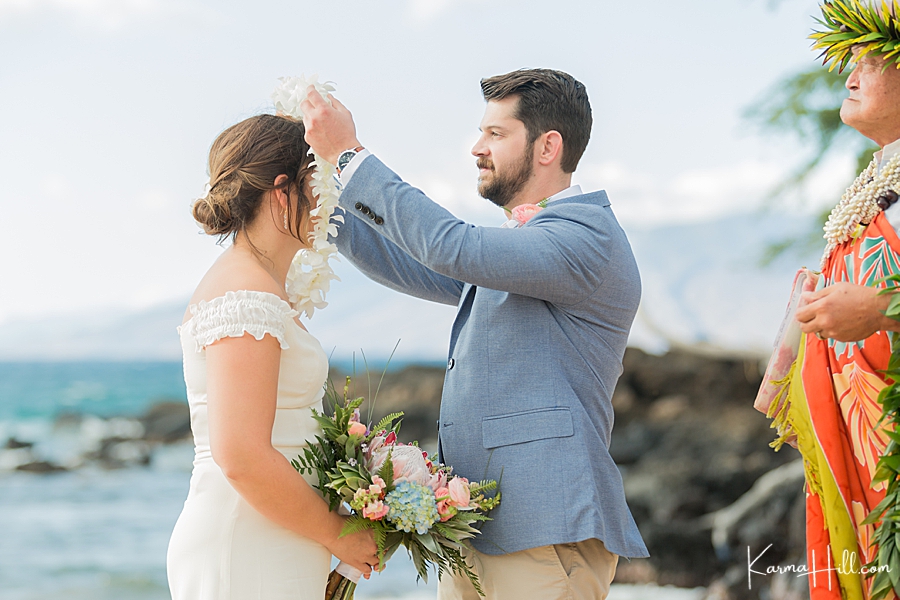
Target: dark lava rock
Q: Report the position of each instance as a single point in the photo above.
(15, 444)
(167, 422)
(118, 453)
(689, 444)
(41, 467)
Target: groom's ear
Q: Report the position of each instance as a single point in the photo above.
(549, 148)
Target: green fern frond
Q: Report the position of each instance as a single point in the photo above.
(355, 524)
(386, 423)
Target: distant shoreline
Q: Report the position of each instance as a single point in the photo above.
(346, 365)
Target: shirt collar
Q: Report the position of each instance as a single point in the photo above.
(572, 190)
(887, 153)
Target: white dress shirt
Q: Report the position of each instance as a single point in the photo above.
(884, 155)
(351, 167)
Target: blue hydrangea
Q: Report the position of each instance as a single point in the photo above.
(412, 507)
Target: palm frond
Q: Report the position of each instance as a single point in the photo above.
(848, 24)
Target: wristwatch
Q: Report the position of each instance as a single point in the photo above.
(346, 156)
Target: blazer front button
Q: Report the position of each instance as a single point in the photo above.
(451, 363)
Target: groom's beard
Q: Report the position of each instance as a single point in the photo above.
(503, 186)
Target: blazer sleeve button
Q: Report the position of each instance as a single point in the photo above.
(379, 221)
(358, 206)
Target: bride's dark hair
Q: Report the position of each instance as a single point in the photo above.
(243, 163)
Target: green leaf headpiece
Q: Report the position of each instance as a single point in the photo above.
(873, 25)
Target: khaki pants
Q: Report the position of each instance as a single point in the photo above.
(582, 571)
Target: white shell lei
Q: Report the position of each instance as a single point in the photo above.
(310, 275)
(859, 204)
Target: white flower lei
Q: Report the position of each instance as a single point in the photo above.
(859, 204)
(310, 275)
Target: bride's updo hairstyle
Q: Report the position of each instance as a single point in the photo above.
(244, 162)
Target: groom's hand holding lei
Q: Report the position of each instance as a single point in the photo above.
(330, 129)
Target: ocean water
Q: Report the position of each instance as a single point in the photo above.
(97, 534)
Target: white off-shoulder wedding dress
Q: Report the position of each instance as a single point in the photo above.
(222, 548)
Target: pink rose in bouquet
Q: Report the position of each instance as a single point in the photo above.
(459, 492)
(445, 509)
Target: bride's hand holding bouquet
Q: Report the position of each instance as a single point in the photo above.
(396, 491)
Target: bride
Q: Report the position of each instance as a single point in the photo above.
(252, 527)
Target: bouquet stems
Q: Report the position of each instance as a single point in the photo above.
(339, 587)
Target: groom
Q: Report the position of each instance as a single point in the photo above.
(544, 309)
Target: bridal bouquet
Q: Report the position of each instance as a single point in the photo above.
(404, 496)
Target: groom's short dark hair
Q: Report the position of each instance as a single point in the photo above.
(548, 101)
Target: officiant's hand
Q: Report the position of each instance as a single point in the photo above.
(845, 312)
(329, 127)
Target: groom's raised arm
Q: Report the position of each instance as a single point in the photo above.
(383, 262)
(559, 257)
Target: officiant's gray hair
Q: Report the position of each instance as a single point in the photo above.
(548, 101)
(244, 162)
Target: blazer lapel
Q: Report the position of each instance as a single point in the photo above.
(462, 315)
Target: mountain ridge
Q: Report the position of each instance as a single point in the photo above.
(703, 289)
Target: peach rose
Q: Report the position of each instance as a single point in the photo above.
(459, 492)
(357, 428)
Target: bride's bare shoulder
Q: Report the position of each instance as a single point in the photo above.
(233, 272)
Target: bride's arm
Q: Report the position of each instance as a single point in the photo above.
(242, 386)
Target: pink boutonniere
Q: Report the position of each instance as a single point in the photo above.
(524, 212)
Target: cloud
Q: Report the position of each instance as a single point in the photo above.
(155, 201)
(55, 187)
(690, 196)
(425, 12)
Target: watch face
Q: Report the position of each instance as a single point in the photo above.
(344, 159)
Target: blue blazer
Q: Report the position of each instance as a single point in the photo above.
(535, 352)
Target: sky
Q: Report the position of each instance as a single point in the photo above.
(108, 109)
